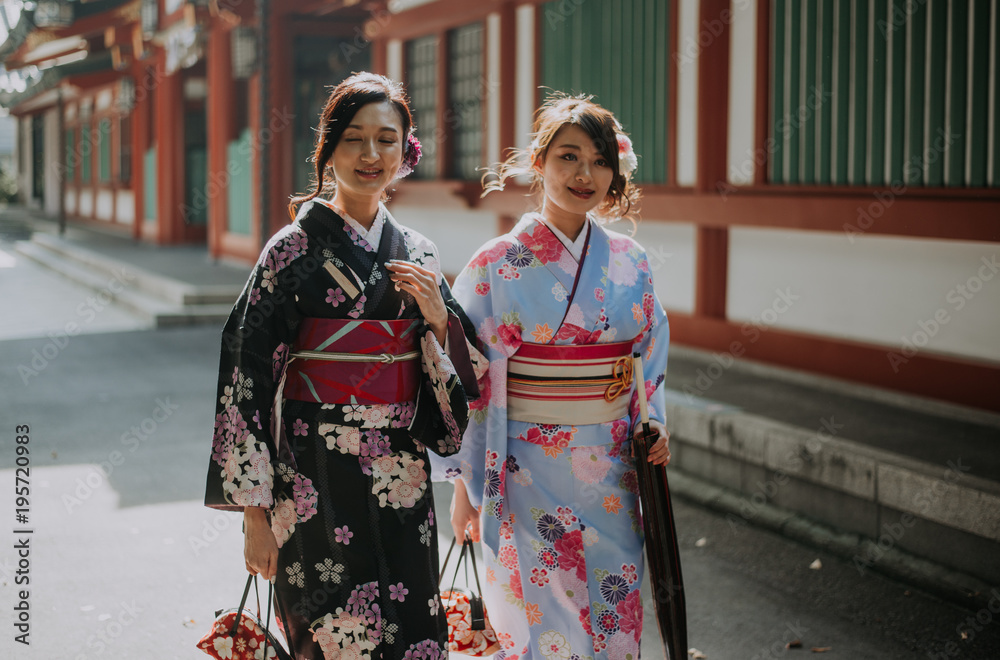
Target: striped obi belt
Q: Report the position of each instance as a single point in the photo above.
(588, 384)
(354, 362)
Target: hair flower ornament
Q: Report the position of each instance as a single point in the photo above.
(627, 160)
(411, 156)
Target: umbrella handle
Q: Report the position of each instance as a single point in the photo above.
(640, 384)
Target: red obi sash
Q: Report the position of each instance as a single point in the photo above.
(344, 361)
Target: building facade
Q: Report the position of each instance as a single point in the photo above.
(821, 180)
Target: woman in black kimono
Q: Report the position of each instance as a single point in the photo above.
(344, 359)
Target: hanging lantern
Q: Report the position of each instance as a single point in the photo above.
(53, 14)
(149, 17)
(243, 50)
(126, 94)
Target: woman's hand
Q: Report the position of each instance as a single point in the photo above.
(422, 284)
(260, 549)
(659, 453)
(463, 514)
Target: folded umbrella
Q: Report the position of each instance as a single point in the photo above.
(662, 554)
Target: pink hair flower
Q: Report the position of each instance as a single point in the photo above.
(411, 156)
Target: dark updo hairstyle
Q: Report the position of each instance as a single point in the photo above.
(561, 110)
(345, 100)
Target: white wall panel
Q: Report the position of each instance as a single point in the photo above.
(742, 92)
(873, 289)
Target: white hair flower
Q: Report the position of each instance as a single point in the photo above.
(627, 160)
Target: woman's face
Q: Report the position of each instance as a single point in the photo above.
(370, 151)
(576, 175)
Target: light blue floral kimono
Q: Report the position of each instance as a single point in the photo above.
(561, 533)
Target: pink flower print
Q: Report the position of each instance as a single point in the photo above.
(483, 289)
(630, 614)
(510, 334)
(539, 577)
(629, 573)
(398, 592)
(571, 557)
(487, 257)
(255, 296)
(335, 296)
(358, 307)
(256, 418)
(300, 427)
(599, 294)
(509, 272)
(297, 242)
(343, 535)
(515, 585)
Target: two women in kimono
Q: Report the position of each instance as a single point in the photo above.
(334, 381)
(560, 304)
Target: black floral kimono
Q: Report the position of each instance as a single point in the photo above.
(347, 486)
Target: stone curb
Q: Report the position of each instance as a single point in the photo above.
(948, 584)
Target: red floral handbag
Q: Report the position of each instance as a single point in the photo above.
(239, 635)
(469, 629)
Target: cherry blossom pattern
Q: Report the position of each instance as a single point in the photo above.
(399, 480)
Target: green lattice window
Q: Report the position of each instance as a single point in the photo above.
(86, 152)
(466, 91)
(616, 51)
(874, 92)
(422, 86)
(70, 162)
(104, 150)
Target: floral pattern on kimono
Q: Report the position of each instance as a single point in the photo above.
(346, 486)
(559, 508)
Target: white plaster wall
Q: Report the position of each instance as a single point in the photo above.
(874, 289)
(86, 205)
(105, 205)
(687, 91)
(52, 157)
(71, 196)
(458, 232)
(742, 92)
(670, 247)
(394, 59)
(125, 207)
(524, 101)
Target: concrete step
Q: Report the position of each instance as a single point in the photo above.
(169, 290)
(936, 511)
(128, 286)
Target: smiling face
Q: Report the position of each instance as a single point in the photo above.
(370, 151)
(576, 174)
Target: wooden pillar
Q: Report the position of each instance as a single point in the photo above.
(140, 144)
(508, 76)
(169, 126)
(220, 130)
(277, 126)
(713, 110)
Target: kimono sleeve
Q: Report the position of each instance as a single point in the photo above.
(255, 346)
(473, 292)
(450, 378)
(653, 345)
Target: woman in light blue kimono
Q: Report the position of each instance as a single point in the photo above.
(561, 303)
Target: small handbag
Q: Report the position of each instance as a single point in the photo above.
(469, 629)
(237, 634)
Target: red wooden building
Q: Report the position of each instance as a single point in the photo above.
(821, 179)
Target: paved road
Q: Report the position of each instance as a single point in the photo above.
(126, 563)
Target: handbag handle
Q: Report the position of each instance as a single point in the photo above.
(466, 547)
(252, 579)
